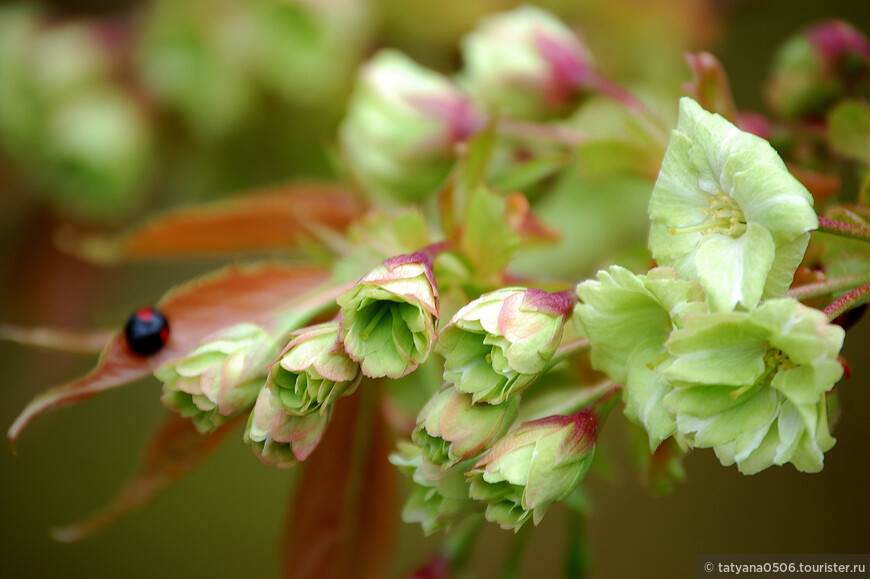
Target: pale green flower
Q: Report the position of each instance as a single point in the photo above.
(221, 377)
(533, 466)
(752, 385)
(627, 319)
(280, 438)
(313, 371)
(438, 496)
(527, 63)
(402, 125)
(388, 317)
(726, 211)
(451, 428)
(497, 345)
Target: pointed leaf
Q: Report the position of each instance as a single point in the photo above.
(75, 341)
(341, 518)
(175, 448)
(277, 218)
(194, 310)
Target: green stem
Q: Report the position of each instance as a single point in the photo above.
(543, 132)
(514, 561)
(578, 546)
(300, 311)
(829, 286)
(459, 544)
(843, 229)
(567, 350)
(849, 301)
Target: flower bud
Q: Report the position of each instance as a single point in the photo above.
(220, 378)
(527, 63)
(401, 127)
(280, 438)
(438, 497)
(533, 466)
(815, 68)
(388, 317)
(313, 371)
(498, 344)
(450, 428)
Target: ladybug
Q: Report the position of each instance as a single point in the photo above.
(146, 331)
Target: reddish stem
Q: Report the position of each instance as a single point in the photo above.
(849, 301)
(843, 229)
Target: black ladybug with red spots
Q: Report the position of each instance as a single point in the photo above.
(146, 331)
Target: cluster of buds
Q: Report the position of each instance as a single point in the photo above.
(467, 447)
(403, 124)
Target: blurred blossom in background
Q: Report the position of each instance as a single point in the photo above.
(113, 111)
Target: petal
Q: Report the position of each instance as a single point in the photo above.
(734, 271)
(718, 349)
(644, 393)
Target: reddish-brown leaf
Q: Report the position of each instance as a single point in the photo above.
(175, 448)
(75, 341)
(341, 522)
(277, 218)
(194, 310)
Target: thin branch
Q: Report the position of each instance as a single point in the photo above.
(849, 301)
(843, 229)
(823, 288)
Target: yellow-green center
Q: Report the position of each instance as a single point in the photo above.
(723, 216)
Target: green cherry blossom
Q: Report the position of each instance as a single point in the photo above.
(497, 345)
(533, 466)
(313, 371)
(221, 377)
(726, 211)
(388, 317)
(752, 385)
(438, 496)
(627, 319)
(280, 438)
(451, 428)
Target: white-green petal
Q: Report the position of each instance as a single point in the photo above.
(734, 271)
(788, 257)
(645, 393)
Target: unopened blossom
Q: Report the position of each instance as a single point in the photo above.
(280, 438)
(451, 428)
(526, 63)
(818, 66)
(402, 125)
(313, 371)
(496, 346)
(388, 317)
(752, 385)
(725, 211)
(533, 466)
(627, 319)
(221, 377)
(438, 496)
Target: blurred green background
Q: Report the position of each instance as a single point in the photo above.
(225, 519)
